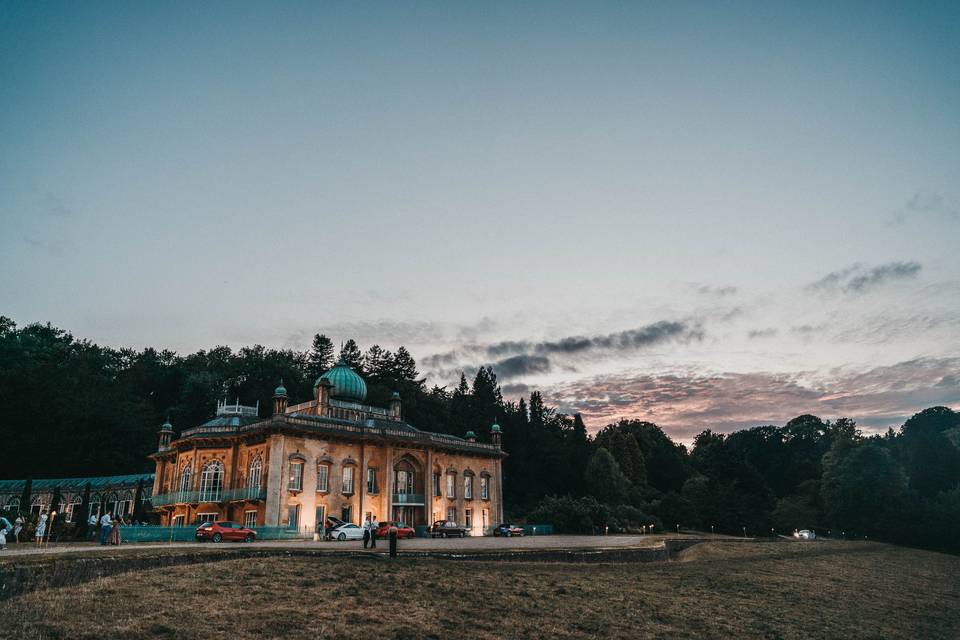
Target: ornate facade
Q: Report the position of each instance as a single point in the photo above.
(331, 456)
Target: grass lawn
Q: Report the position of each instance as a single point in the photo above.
(715, 590)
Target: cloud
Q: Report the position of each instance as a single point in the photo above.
(762, 333)
(857, 279)
(515, 389)
(641, 337)
(720, 292)
(685, 404)
(925, 205)
(521, 365)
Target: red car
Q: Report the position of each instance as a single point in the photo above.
(403, 531)
(220, 531)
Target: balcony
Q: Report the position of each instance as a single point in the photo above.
(246, 493)
(178, 497)
(408, 498)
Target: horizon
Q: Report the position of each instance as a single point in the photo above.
(714, 218)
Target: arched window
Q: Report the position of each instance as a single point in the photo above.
(468, 485)
(255, 473)
(13, 504)
(75, 503)
(185, 477)
(211, 481)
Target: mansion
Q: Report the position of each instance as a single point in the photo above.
(332, 456)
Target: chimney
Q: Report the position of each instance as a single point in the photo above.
(166, 433)
(495, 435)
(323, 395)
(395, 405)
(280, 400)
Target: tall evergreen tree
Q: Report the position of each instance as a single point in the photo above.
(321, 356)
(138, 512)
(82, 514)
(26, 496)
(404, 366)
(351, 355)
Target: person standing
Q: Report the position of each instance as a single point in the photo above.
(105, 523)
(366, 534)
(373, 532)
(92, 526)
(115, 531)
(5, 528)
(41, 528)
(18, 527)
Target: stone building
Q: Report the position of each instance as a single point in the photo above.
(331, 456)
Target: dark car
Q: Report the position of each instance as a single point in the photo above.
(508, 530)
(220, 531)
(447, 529)
(403, 531)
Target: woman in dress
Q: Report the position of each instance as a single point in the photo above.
(41, 528)
(115, 531)
(17, 527)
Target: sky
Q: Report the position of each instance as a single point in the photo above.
(707, 215)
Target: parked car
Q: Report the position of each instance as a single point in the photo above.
(220, 531)
(346, 531)
(403, 531)
(508, 530)
(806, 534)
(447, 529)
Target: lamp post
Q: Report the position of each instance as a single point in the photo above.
(678, 529)
(711, 529)
(744, 532)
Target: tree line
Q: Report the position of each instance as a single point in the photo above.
(74, 408)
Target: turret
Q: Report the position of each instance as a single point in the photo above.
(280, 400)
(323, 389)
(395, 405)
(495, 435)
(166, 434)
(471, 436)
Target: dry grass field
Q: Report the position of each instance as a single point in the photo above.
(714, 590)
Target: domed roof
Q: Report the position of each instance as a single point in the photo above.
(347, 383)
(280, 391)
(495, 428)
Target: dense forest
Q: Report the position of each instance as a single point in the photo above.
(73, 408)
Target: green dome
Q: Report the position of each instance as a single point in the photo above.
(495, 429)
(471, 434)
(166, 426)
(280, 391)
(347, 383)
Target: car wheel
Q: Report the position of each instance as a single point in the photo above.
(462, 534)
(217, 537)
(248, 538)
(342, 537)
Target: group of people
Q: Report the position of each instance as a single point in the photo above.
(14, 529)
(109, 528)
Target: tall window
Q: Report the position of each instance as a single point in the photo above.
(486, 519)
(323, 477)
(468, 517)
(255, 473)
(211, 481)
(436, 484)
(468, 487)
(451, 485)
(371, 480)
(452, 514)
(348, 480)
(484, 488)
(185, 483)
(250, 519)
(296, 477)
(404, 481)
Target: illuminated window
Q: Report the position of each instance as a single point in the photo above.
(255, 473)
(296, 477)
(451, 485)
(468, 487)
(211, 481)
(323, 477)
(484, 488)
(348, 480)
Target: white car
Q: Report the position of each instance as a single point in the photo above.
(348, 531)
(806, 534)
